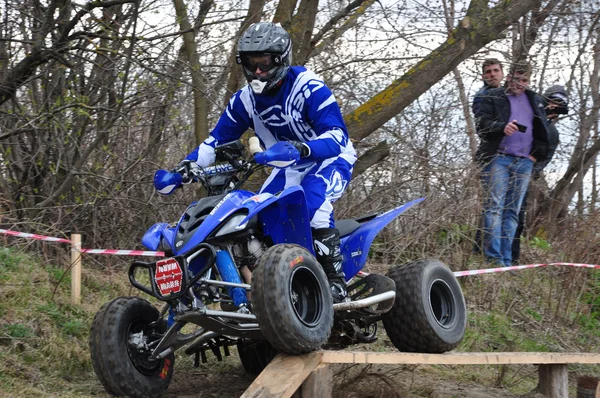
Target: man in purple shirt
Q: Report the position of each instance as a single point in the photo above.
(511, 125)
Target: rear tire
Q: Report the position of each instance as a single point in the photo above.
(291, 299)
(255, 355)
(429, 313)
(122, 367)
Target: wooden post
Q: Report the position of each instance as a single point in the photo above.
(319, 384)
(554, 380)
(75, 269)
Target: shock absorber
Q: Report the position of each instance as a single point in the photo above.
(229, 273)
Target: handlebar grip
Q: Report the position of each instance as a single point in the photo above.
(254, 144)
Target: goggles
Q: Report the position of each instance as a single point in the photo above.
(262, 61)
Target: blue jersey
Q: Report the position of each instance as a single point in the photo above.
(303, 109)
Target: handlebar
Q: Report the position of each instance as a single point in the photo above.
(225, 177)
(219, 168)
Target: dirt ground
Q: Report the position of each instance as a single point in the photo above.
(228, 379)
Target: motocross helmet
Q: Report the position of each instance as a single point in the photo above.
(273, 44)
(558, 96)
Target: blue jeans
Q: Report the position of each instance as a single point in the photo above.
(484, 180)
(509, 178)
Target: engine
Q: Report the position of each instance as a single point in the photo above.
(248, 253)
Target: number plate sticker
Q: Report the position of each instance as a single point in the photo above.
(168, 276)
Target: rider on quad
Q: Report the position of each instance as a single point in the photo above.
(290, 103)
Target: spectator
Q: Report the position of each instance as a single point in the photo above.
(492, 76)
(557, 103)
(511, 125)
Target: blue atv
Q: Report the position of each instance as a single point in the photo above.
(240, 270)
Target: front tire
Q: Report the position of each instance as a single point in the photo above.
(429, 313)
(291, 299)
(120, 331)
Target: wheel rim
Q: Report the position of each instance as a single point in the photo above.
(137, 340)
(306, 296)
(442, 303)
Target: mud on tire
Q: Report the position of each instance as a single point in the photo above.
(123, 369)
(291, 299)
(429, 314)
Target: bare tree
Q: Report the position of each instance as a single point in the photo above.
(107, 96)
(191, 51)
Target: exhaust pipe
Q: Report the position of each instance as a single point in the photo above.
(366, 302)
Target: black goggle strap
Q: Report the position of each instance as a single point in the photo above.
(559, 98)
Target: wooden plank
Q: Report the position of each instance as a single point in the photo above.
(554, 381)
(283, 376)
(319, 384)
(459, 358)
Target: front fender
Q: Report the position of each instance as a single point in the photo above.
(154, 234)
(284, 217)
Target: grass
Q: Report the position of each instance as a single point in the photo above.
(43, 338)
(44, 351)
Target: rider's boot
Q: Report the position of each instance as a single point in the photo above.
(327, 247)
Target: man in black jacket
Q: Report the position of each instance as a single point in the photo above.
(492, 75)
(511, 124)
(557, 103)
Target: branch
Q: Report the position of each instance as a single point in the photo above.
(331, 23)
(350, 22)
(480, 27)
(531, 33)
(371, 157)
(40, 55)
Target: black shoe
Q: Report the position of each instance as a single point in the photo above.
(338, 291)
(327, 249)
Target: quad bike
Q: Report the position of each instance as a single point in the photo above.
(240, 270)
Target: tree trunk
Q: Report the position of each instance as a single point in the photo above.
(233, 70)
(582, 159)
(301, 30)
(199, 86)
(371, 157)
(284, 12)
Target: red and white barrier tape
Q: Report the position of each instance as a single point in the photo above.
(518, 267)
(90, 251)
(123, 252)
(33, 236)
(160, 254)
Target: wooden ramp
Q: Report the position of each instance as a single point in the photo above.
(309, 376)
